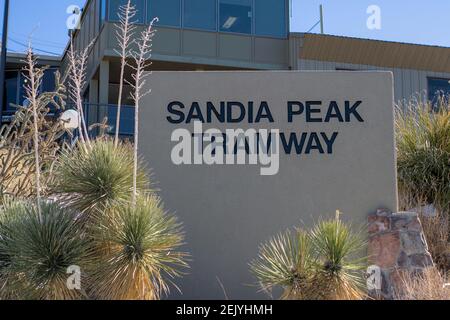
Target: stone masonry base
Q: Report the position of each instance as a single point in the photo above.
(396, 245)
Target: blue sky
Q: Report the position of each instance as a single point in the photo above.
(415, 21)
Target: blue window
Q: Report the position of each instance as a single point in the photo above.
(438, 88)
(200, 14)
(167, 11)
(126, 120)
(270, 18)
(114, 6)
(236, 16)
(11, 87)
(103, 8)
(48, 81)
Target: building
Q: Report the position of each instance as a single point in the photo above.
(240, 35)
(15, 80)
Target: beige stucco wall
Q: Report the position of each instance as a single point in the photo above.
(229, 210)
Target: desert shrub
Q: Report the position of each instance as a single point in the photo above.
(423, 151)
(340, 269)
(17, 159)
(316, 265)
(429, 284)
(37, 251)
(286, 261)
(93, 180)
(137, 251)
(10, 212)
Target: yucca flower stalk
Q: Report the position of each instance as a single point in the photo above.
(77, 82)
(138, 252)
(34, 75)
(142, 62)
(94, 181)
(124, 33)
(42, 249)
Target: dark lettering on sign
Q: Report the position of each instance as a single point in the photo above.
(305, 143)
(295, 108)
(174, 109)
(316, 111)
(300, 143)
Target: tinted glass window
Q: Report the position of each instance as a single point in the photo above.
(126, 120)
(114, 6)
(438, 88)
(11, 90)
(270, 18)
(236, 16)
(200, 14)
(168, 12)
(102, 11)
(48, 82)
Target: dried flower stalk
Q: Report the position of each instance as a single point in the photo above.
(124, 33)
(142, 62)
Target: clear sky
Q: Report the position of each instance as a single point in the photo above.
(415, 21)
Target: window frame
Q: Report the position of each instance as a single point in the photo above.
(252, 24)
(287, 15)
(144, 23)
(180, 17)
(217, 29)
(430, 78)
(7, 107)
(199, 29)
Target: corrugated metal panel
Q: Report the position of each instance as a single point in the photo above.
(375, 53)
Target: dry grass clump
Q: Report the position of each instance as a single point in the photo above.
(430, 284)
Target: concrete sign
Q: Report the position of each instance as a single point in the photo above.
(242, 156)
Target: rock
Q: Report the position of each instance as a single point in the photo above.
(378, 224)
(384, 249)
(413, 243)
(397, 246)
(428, 210)
(423, 260)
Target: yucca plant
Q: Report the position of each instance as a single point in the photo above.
(286, 261)
(423, 148)
(10, 212)
(339, 266)
(92, 181)
(315, 265)
(137, 247)
(40, 249)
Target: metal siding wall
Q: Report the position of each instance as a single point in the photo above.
(407, 83)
